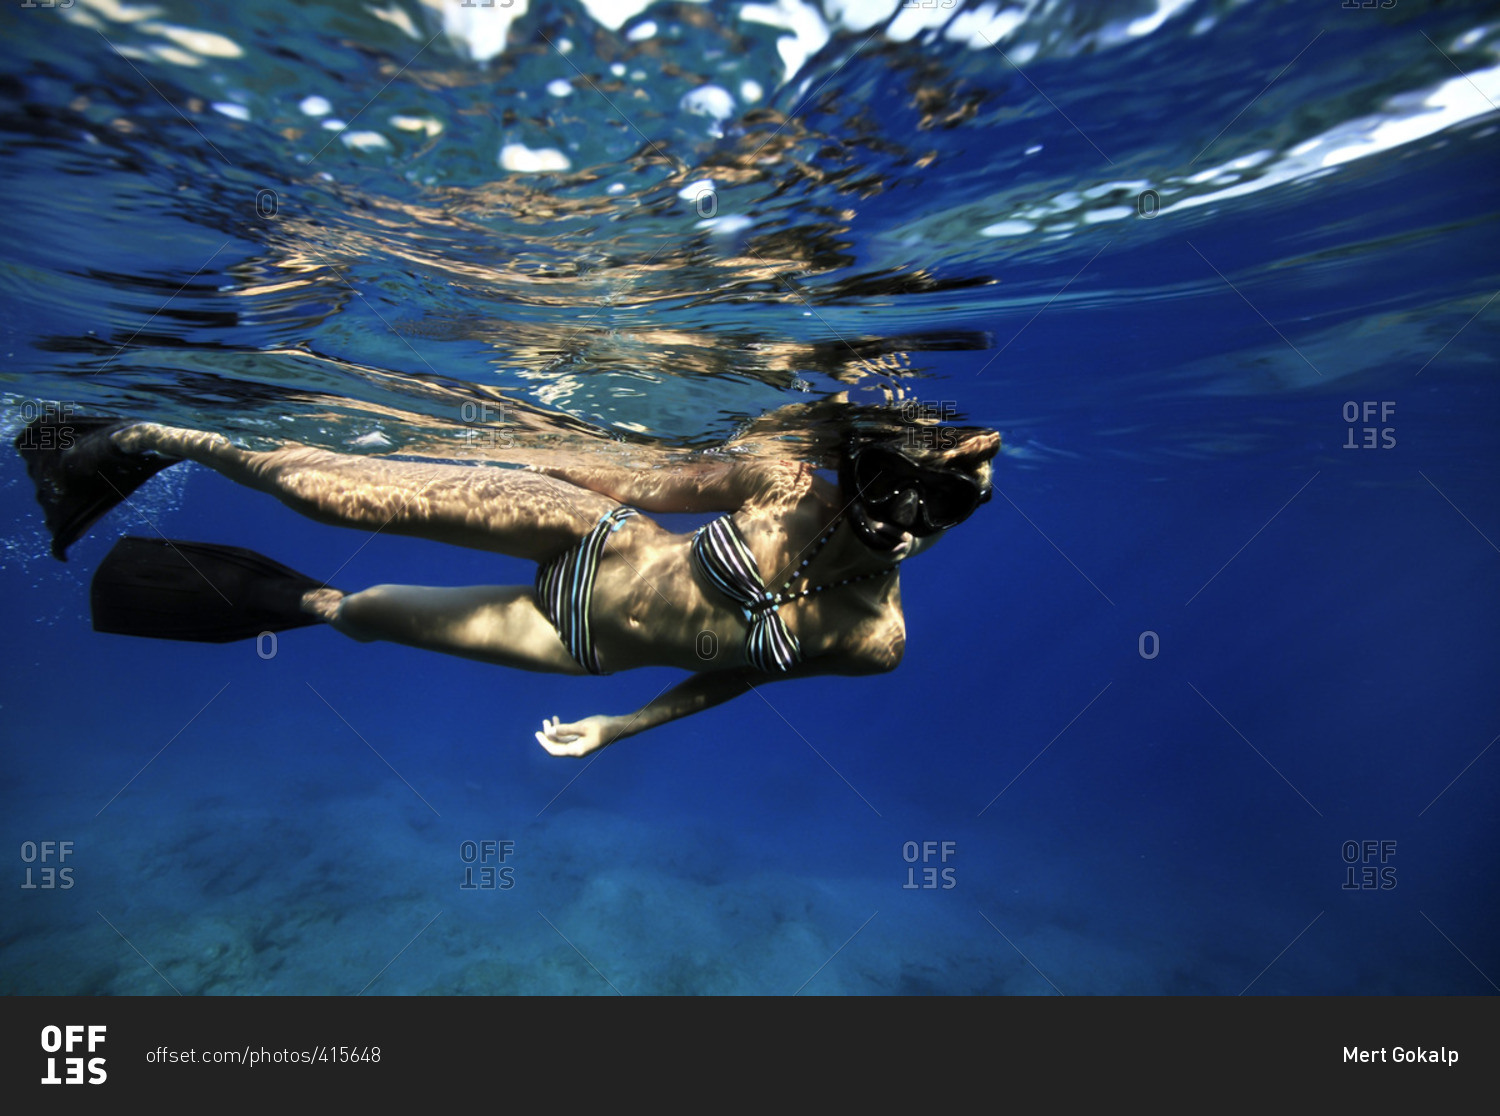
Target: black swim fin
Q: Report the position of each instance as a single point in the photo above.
(79, 473)
(169, 589)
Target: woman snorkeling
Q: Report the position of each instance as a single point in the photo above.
(797, 576)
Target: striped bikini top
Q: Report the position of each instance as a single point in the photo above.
(720, 555)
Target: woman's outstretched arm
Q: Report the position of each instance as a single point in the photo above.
(693, 695)
(701, 486)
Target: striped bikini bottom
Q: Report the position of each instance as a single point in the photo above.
(565, 588)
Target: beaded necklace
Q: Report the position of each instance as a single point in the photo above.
(773, 599)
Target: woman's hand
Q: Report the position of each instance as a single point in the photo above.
(579, 738)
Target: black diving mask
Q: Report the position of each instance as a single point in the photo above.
(919, 498)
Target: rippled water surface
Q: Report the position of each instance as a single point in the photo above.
(1221, 274)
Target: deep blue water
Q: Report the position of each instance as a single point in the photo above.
(1176, 244)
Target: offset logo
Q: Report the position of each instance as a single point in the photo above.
(67, 1040)
(484, 865)
(56, 434)
(1368, 865)
(1370, 435)
(932, 877)
(42, 860)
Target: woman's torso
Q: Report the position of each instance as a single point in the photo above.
(652, 608)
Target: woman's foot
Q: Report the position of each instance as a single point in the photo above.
(323, 603)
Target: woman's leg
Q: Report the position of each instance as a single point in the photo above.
(492, 623)
(511, 511)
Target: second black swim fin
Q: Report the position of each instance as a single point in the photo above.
(201, 592)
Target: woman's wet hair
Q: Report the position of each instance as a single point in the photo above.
(825, 431)
(948, 444)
